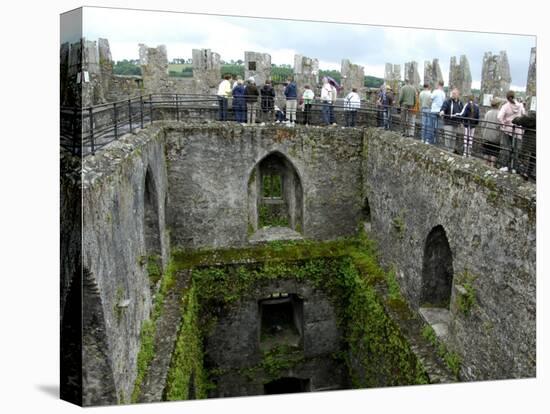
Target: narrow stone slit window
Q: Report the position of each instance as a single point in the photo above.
(286, 385)
(281, 317)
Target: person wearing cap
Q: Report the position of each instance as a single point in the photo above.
(291, 94)
(251, 97)
(224, 92)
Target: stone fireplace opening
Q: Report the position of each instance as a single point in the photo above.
(281, 317)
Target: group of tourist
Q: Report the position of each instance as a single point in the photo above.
(245, 98)
(449, 121)
(503, 125)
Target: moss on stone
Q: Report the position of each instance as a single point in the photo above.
(148, 331)
(346, 270)
(186, 368)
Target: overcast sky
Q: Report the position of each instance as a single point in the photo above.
(369, 46)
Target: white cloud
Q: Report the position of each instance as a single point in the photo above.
(369, 46)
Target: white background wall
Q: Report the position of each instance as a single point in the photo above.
(29, 207)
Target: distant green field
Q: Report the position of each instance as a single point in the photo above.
(178, 67)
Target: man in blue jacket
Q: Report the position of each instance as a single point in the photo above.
(291, 94)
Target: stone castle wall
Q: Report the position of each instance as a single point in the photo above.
(201, 175)
(489, 219)
(114, 253)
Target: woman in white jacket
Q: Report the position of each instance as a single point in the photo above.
(352, 102)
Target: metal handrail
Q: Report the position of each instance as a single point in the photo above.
(86, 130)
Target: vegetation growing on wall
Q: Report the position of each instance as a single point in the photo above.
(186, 374)
(452, 359)
(348, 272)
(466, 298)
(148, 330)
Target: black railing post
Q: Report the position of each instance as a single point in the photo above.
(141, 110)
(514, 157)
(91, 116)
(130, 114)
(151, 108)
(177, 108)
(116, 120)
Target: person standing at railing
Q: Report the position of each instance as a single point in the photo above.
(528, 152)
(379, 107)
(352, 102)
(407, 101)
(291, 94)
(491, 134)
(267, 101)
(307, 97)
(224, 92)
(326, 100)
(438, 98)
(239, 104)
(508, 112)
(333, 95)
(425, 103)
(385, 101)
(470, 119)
(449, 111)
(251, 96)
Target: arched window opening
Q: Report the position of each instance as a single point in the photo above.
(437, 270)
(275, 197)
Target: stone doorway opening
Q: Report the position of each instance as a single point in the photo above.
(437, 281)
